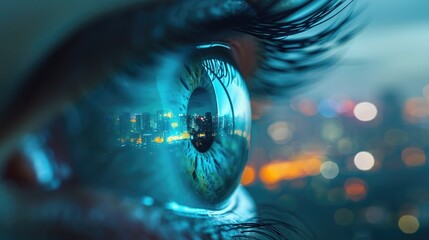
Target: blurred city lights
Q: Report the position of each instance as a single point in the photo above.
(355, 189)
(332, 126)
(280, 131)
(416, 108)
(364, 161)
(329, 170)
(300, 166)
(327, 108)
(345, 107)
(307, 107)
(365, 111)
(408, 224)
(343, 217)
(413, 157)
(248, 176)
(332, 131)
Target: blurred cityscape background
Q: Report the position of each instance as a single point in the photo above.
(349, 154)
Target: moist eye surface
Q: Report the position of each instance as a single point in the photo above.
(177, 132)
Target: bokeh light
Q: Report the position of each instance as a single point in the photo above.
(329, 170)
(365, 111)
(327, 108)
(408, 224)
(307, 107)
(413, 157)
(345, 107)
(248, 176)
(332, 131)
(355, 189)
(280, 132)
(416, 108)
(364, 161)
(299, 166)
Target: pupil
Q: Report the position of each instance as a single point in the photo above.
(202, 118)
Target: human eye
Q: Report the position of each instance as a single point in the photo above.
(138, 125)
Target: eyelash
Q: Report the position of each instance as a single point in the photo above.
(285, 56)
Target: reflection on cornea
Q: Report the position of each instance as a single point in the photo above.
(210, 45)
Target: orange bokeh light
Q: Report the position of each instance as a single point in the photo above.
(355, 189)
(416, 108)
(413, 157)
(307, 107)
(248, 176)
(298, 167)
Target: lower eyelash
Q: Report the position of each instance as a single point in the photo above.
(285, 52)
(271, 223)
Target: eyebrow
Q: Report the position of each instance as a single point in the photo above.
(108, 45)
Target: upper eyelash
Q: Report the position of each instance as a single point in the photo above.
(283, 54)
